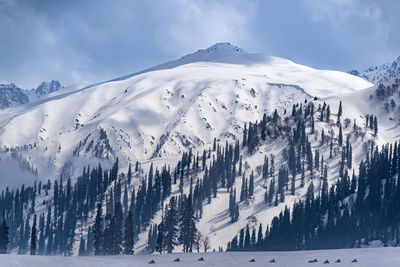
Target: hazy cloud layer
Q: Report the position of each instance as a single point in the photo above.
(86, 41)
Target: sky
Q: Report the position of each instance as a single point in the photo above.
(83, 41)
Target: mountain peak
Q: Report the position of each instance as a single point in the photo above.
(48, 87)
(214, 52)
(225, 46)
(219, 52)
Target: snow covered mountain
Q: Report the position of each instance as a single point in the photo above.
(379, 74)
(152, 117)
(46, 88)
(11, 95)
(162, 111)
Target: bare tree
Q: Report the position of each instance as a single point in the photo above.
(197, 241)
(206, 243)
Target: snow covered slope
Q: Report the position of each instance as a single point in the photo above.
(378, 74)
(380, 100)
(162, 111)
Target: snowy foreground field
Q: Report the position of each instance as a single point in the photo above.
(365, 257)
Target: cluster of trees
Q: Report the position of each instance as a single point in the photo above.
(383, 92)
(299, 157)
(125, 219)
(372, 122)
(177, 227)
(128, 211)
(56, 230)
(345, 215)
(111, 235)
(72, 205)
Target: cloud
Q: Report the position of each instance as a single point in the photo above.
(340, 14)
(367, 27)
(198, 24)
(95, 40)
(88, 41)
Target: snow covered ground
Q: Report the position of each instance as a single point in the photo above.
(375, 257)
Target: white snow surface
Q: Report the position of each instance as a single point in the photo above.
(163, 110)
(368, 257)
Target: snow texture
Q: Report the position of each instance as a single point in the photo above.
(370, 257)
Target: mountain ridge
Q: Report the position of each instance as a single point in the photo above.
(380, 73)
(12, 95)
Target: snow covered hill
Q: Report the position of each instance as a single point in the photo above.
(162, 111)
(379, 74)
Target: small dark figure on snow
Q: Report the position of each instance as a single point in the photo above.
(201, 259)
(252, 260)
(273, 260)
(151, 262)
(338, 261)
(355, 260)
(312, 261)
(177, 260)
(326, 261)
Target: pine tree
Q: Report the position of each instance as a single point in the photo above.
(50, 241)
(253, 237)
(33, 247)
(160, 238)
(125, 200)
(246, 245)
(260, 236)
(188, 225)
(241, 239)
(328, 113)
(129, 173)
(240, 166)
(98, 231)
(340, 138)
(375, 126)
(340, 111)
(41, 242)
(89, 242)
(293, 185)
(251, 185)
(82, 250)
(117, 231)
(244, 142)
(4, 239)
(271, 191)
(171, 230)
(25, 237)
(108, 235)
(128, 234)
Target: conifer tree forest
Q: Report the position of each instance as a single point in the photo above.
(103, 212)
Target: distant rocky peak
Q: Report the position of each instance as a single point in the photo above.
(48, 87)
